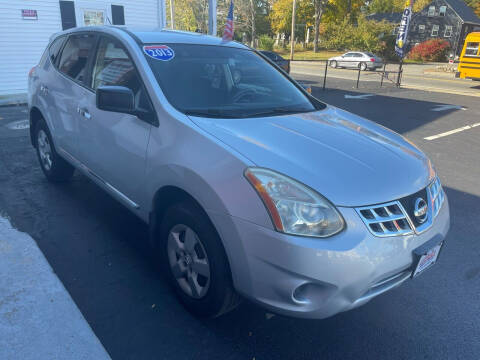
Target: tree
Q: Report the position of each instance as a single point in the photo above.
(319, 6)
(386, 6)
(339, 10)
(393, 6)
(281, 16)
(365, 35)
(475, 5)
(250, 17)
(190, 15)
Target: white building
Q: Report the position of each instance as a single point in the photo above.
(26, 26)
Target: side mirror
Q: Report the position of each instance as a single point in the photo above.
(115, 98)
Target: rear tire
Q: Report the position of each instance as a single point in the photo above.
(194, 261)
(362, 66)
(55, 168)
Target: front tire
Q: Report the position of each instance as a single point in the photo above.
(333, 64)
(194, 261)
(53, 166)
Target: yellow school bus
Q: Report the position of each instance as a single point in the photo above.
(469, 66)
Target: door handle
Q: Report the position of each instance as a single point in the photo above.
(84, 113)
(44, 89)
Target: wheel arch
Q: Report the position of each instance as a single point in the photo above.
(35, 115)
(169, 195)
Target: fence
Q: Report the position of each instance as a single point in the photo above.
(380, 68)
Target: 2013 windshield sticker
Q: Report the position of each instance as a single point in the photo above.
(159, 52)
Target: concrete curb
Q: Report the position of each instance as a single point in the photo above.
(38, 318)
(14, 99)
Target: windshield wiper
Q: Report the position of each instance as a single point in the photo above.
(279, 111)
(209, 113)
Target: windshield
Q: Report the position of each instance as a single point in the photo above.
(224, 82)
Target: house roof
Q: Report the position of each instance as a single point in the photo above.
(459, 6)
(464, 11)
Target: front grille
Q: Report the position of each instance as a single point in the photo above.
(397, 217)
(386, 219)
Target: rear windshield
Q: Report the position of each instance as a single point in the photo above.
(224, 82)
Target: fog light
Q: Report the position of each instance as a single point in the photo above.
(312, 293)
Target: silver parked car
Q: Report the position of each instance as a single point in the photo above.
(251, 187)
(356, 59)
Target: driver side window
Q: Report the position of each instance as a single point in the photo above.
(114, 67)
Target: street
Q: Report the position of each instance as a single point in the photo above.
(100, 253)
(415, 76)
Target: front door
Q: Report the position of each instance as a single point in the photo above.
(113, 145)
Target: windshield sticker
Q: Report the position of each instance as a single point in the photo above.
(159, 52)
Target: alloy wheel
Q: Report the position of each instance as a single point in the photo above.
(188, 261)
(44, 150)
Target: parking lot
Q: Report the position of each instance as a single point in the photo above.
(100, 253)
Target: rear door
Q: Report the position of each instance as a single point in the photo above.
(68, 89)
(113, 145)
(48, 80)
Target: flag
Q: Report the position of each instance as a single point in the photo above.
(228, 32)
(400, 44)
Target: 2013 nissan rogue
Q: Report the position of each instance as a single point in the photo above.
(251, 187)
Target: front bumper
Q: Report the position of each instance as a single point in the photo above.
(317, 278)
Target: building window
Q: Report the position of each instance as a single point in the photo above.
(431, 11)
(443, 10)
(448, 31)
(93, 17)
(421, 29)
(435, 29)
(472, 49)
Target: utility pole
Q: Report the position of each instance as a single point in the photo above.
(292, 40)
(172, 14)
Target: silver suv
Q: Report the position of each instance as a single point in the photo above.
(251, 187)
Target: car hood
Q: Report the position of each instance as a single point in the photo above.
(348, 159)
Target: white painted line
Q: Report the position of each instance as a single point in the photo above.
(447, 107)
(454, 131)
(38, 318)
(363, 97)
(19, 125)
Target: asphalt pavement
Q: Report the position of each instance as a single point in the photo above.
(100, 253)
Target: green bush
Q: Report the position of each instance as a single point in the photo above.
(265, 42)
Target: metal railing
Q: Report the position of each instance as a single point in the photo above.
(393, 76)
(356, 65)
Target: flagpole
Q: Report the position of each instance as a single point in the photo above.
(292, 40)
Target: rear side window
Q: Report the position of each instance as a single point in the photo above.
(75, 54)
(270, 55)
(54, 49)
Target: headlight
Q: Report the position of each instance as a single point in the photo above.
(295, 208)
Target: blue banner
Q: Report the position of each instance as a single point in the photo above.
(401, 42)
